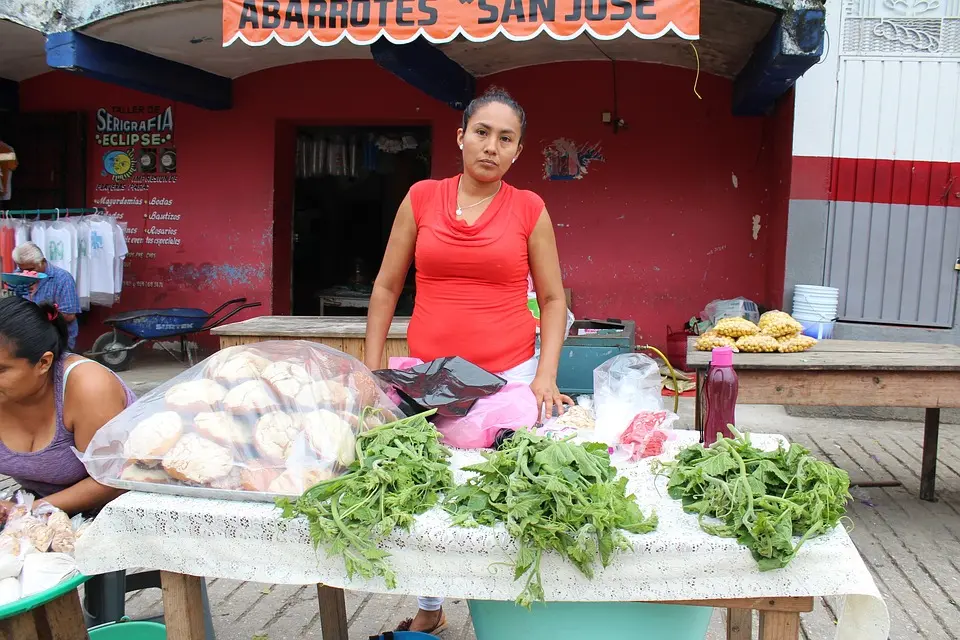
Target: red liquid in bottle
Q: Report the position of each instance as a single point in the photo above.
(720, 394)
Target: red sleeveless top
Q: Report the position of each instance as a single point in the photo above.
(471, 296)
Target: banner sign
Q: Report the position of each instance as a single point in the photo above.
(362, 22)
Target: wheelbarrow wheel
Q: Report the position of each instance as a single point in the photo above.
(114, 351)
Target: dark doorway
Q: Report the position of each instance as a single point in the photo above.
(350, 181)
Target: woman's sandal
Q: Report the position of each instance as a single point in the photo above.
(439, 628)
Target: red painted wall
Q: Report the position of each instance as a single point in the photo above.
(654, 232)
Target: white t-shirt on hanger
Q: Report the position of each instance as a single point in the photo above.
(101, 262)
(21, 232)
(75, 258)
(83, 262)
(59, 247)
(38, 236)
(119, 255)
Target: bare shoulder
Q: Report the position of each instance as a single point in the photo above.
(90, 380)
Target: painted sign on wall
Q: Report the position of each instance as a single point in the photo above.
(563, 159)
(256, 22)
(135, 152)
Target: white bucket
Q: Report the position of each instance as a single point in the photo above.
(813, 303)
(816, 288)
(814, 317)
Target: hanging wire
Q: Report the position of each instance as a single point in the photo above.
(697, 78)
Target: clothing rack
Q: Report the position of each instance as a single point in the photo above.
(39, 213)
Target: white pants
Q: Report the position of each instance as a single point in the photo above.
(524, 373)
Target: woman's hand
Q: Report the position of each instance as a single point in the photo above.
(548, 396)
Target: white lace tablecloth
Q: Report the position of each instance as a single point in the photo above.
(678, 561)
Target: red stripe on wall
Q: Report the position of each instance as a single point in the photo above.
(871, 180)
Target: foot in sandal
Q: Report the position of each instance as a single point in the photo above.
(425, 621)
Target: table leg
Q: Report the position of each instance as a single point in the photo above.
(183, 606)
(928, 467)
(60, 619)
(779, 625)
(63, 618)
(21, 627)
(739, 624)
(333, 613)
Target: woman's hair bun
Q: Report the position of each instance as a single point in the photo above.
(494, 94)
(30, 330)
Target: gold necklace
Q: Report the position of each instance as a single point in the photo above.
(460, 209)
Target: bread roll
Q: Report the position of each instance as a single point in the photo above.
(231, 367)
(367, 389)
(252, 396)
(138, 473)
(275, 434)
(326, 394)
(197, 460)
(223, 427)
(330, 437)
(294, 482)
(287, 379)
(153, 437)
(257, 477)
(195, 395)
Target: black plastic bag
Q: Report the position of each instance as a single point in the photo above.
(449, 385)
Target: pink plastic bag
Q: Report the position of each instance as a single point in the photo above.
(513, 407)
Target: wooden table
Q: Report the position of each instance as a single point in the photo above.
(779, 617)
(342, 333)
(845, 373)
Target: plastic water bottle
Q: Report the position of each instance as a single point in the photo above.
(720, 393)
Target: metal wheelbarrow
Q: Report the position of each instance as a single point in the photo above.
(132, 329)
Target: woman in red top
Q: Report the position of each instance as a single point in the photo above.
(475, 239)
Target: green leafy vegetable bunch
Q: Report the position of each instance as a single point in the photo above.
(551, 495)
(764, 499)
(400, 471)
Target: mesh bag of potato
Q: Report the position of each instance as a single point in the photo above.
(711, 340)
(795, 343)
(251, 422)
(778, 324)
(735, 328)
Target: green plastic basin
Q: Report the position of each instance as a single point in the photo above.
(496, 620)
(126, 630)
(32, 602)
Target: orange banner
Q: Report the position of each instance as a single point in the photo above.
(327, 22)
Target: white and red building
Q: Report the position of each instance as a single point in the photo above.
(875, 190)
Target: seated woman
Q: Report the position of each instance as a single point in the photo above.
(51, 400)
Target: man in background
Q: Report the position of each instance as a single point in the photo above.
(57, 288)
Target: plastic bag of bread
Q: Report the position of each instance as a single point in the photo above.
(250, 422)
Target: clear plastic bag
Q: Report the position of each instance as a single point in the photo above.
(735, 308)
(251, 422)
(645, 435)
(624, 386)
(40, 526)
